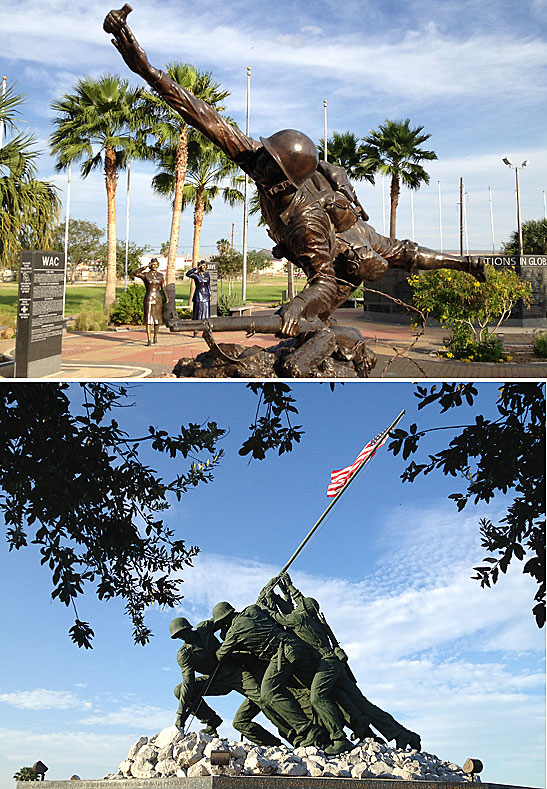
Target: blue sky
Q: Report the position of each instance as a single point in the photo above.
(472, 73)
(391, 568)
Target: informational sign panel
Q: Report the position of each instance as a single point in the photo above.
(40, 314)
(212, 270)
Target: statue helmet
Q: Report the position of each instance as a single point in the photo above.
(178, 625)
(294, 152)
(311, 606)
(221, 611)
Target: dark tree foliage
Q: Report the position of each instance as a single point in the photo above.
(74, 485)
(268, 431)
(504, 455)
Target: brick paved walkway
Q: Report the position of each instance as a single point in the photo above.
(123, 354)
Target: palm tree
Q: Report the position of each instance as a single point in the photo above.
(395, 150)
(172, 132)
(29, 209)
(208, 167)
(344, 149)
(103, 124)
(534, 239)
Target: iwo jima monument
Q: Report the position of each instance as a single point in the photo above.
(316, 221)
(282, 657)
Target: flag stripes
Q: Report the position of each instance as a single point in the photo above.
(339, 478)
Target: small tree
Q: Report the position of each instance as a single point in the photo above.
(473, 311)
(534, 239)
(133, 257)
(84, 243)
(230, 265)
(25, 774)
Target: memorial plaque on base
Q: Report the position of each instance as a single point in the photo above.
(40, 314)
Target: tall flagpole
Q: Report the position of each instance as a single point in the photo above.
(440, 217)
(245, 197)
(127, 225)
(325, 128)
(340, 492)
(1, 124)
(491, 218)
(67, 219)
(383, 205)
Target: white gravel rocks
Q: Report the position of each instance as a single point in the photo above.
(170, 754)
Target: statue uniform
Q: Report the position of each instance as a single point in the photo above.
(255, 632)
(202, 294)
(229, 676)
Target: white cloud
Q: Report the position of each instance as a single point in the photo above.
(65, 752)
(42, 699)
(140, 716)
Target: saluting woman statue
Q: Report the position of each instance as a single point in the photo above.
(202, 294)
(153, 282)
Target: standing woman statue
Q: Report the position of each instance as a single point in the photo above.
(153, 282)
(202, 293)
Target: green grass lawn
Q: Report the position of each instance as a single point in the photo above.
(90, 297)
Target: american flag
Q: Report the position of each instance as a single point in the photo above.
(339, 478)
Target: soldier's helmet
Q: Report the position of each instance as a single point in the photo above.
(221, 611)
(294, 152)
(178, 625)
(311, 606)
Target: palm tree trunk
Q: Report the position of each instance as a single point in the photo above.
(181, 164)
(111, 179)
(199, 213)
(290, 281)
(394, 193)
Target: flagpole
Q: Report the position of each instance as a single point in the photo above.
(335, 499)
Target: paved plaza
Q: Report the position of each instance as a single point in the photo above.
(122, 354)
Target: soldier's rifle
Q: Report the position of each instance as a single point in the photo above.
(257, 324)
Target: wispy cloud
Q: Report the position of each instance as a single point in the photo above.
(140, 716)
(42, 699)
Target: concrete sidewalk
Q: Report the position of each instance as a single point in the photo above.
(123, 354)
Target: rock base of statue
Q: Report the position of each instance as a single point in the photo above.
(318, 354)
(261, 782)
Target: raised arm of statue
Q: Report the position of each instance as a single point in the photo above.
(195, 112)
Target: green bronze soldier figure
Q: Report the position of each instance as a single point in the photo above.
(199, 654)
(255, 632)
(310, 207)
(336, 676)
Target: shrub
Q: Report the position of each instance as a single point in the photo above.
(473, 310)
(90, 320)
(128, 309)
(463, 348)
(25, 774)
(540, 343)
(225, 302)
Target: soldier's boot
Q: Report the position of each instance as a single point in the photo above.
(407, 737)
(340, 745)
(212, 725)
(311, 738)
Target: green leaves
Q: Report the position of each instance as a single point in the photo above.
(268, 431)
(75, 485)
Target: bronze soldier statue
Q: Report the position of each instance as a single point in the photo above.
(153, 282)
(198, 654)
(310, 207)
(334, 677)
(202, 294)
